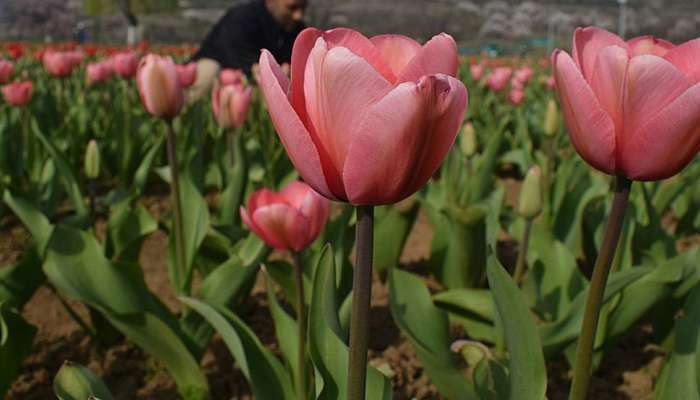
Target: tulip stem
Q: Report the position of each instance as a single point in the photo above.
(522, 254)
(361, 296)
(601, 270)
(181, 281)
(301, 326)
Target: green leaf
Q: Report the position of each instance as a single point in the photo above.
(232, 197)
(16, 339)
(391, 231)
(427, 327)
(264, 372)
(76, 382)
(36, 223)
(141, 174)
(127, 228)
(327, 347)
(528, 376)
(471, 308)
(680, 378)
(19, 282)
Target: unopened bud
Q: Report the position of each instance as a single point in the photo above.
(92, 160)
(551, 118)
(75, 382)
(467, 140)
(530, 201)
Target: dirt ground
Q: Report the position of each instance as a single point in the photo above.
(628, 371)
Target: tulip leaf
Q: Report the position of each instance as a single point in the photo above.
(16, 339)
(392, 227)
(471, 308)
(266, 375)
(19, 282)
(36, 223)
(144, 168)
(427, 328)
(236, 181)
(327, 347)
(528, 377)
(127, 228)
(76, 382)
(680, 377)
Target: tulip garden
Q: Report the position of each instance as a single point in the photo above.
(379, 219)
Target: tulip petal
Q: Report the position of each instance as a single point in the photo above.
(588, 42)
(304, 43)
(608, 82)
(360, 46)
(652, 83)
(339, 88)
(294, 136)
(281, 226)
(668, 142)
(404, 139)
(311, 205)
(649, 45)
(685, 58)
(397, 50)
(591, 129)
(437, 56)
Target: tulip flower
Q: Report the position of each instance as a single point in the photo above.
(551, 83)
(230, 104)
(632, 109)
(59, 64)
(476, 71)
(126, 64)
(96, 73)
(159, 86)
(7, 68)
(516, 97)
(367, 121)
(498, 79)
(617, 97)
(290, 220)
(516, 84)
(230, 76)
(187, 74)
(18, 94)
(524, 74)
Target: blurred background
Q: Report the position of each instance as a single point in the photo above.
(498, 27)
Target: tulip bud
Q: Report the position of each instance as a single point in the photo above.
(74, 381)
(92, 160)
(551, 118)
(467, 141)
(159, 85)
(530, 200)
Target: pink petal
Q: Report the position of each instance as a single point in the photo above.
(293, 134)
(649, 45)
(588, 42)
(361, 46)
(608, 82)
(685, 58)
(591, 129)
(396, 50)
(404, 139)
(652, 83)
(310, 204)
(281, 226)
(668, 142)
(304, 43)
(339, 88)
(438, 56)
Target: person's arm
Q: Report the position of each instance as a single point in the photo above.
(207, 73)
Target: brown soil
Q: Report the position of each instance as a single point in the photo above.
(628, 370)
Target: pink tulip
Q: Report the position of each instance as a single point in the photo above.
(18, 94)
(289, 220)
(76, 57)
(649, 45)
(630, 111)
(230, 104)
(59, 64)
(524, 74)
(516, 97)
(126, 64)
(498, 79)
(476, 71)
(515, 83)
(230, 76)
(96, 73)
(187, 74)
(366, 121)
(551, 83)
(159, 86)
(7, 68)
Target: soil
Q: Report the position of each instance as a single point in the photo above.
(628, 370)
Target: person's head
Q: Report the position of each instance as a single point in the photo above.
(287, 13)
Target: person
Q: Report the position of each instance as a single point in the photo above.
(237, 38)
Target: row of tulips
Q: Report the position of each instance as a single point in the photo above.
(367, 123)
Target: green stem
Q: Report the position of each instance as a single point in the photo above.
(601, 270)
(522, 254)
(181, 280)
(361, 295)
(301, 327)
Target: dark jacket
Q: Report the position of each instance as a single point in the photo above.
(236, 40)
